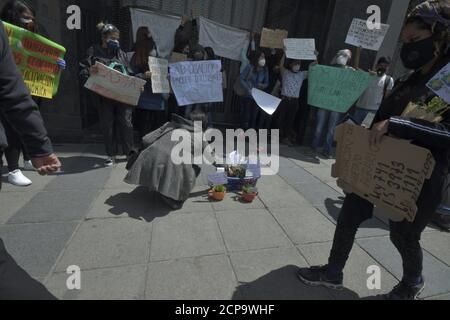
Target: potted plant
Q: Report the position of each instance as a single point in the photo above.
(218, 192)
(249, 193)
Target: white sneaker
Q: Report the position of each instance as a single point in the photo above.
(28, 166)
(111, 161)
(18, 179)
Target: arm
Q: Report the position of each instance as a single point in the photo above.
(282, 62)
(265, 84)
(436, 135)
(244, 78)
(86, 64)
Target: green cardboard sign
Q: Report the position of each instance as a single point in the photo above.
(336, 89)
(36, 58)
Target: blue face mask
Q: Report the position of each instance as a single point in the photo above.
(113, 44)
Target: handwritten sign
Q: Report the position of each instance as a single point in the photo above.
(336, 89)
(300, 49)
(440, 84)
(391, 175)
(36, 58)
(114, 85)
(160, 72)
(197, 82)
(273, 38)
(360, 35)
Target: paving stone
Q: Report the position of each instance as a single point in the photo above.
(322, 173)
(444, 297)
(233, 202)
(107, 243)
(11, 202)
(434, 271)
(438, 244)
(74, 179)
(251, 230)
(333, 184)
(69, 206)
(281, 198)
(204, 278)
(355, 273)
(304, 224)
(297, 176)
(39, 183)
(123, 283)
(36, 247)
(185, 236)
(317, 193)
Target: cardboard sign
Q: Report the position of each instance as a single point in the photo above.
(178, 57)
(440, 84)
(336, 89)
(390, 176)
(300, 49)
(360, 35)
(273, 38)
(197, 82)
(36, 58)
(160, 72)
(114, 85)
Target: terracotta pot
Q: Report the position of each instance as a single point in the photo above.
(249, 197)
(218, 196)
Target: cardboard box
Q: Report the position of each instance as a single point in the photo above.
(390, 176)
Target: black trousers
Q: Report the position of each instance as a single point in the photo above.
(15, 147)
(286, 119)
(116, 121)
(404, 235)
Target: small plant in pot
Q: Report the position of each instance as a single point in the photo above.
(218, 192)
(249, 193)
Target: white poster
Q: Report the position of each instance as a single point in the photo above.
(160, 73)
(300, 49)
(226, 41)
(197, 82)
(114, 85)
(440, 84)
(360, 35)
(162, 27)
(268, 103)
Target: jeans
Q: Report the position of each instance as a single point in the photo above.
(328, 119)
(404, 235)
(249, 113)
(360, 115)
(117, 125)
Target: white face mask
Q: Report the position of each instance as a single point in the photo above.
(153, 53)
(262, 63)
(342, 60)
(296, 68)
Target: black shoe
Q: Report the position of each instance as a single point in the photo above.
(404, 291)
(318, 276)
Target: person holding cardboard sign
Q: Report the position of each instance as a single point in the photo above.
(426, 51)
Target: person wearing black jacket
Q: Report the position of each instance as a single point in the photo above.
(21, 112)
(115, 117)
(425, 50)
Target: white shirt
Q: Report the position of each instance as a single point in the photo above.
(374, 94)
(292, 83)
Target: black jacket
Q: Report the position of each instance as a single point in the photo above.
(432, 136)
(17, 106)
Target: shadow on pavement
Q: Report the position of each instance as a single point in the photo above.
(80, 164)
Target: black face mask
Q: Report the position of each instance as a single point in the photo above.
(415, 55)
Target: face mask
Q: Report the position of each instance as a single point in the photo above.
(27, 24)
(262, 63)
(296, 68)
(342, 60)
(417, 54)
(153, 53)
(113, 44)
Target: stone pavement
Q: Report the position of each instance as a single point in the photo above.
(130, 246)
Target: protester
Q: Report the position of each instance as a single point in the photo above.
(22, 15)
(113, 115)
(143, 34)
(292, 81)
(425, 50)
(442, 216)
(150, 113)
(256, 75)
(329, 119)
(245, 54)
(380, 88)
(15, 102)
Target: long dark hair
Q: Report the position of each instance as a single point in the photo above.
(13, 10)
(142, 52)
(254, 58)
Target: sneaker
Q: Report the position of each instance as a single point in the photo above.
(28, 166)
(404, 291)
(110, 162)
(17, 178)
(318, 276)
